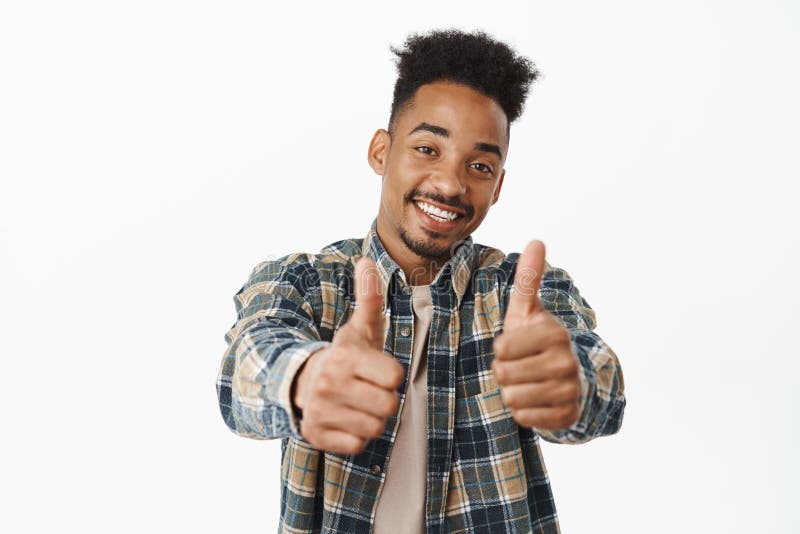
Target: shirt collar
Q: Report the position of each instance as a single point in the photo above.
(455, 273)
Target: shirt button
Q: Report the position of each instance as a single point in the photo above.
(405, 331)
(376, 469)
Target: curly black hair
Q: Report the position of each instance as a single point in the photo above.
(473, 59)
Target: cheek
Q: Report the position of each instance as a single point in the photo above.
(393, 193)
(400, 180)
(409, 169)
(483, 197)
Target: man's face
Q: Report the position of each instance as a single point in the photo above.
(448, 152)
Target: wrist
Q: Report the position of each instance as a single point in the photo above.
(294, 393)
(298, 388)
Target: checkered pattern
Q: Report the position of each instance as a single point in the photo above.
(485, 472)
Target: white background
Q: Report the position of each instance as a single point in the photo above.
(152, 152)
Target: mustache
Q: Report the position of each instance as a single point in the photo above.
(453, 202)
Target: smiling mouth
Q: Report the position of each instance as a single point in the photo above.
(437, 221)
(436, 213)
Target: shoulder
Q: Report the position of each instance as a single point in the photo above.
(318, 282)
(339, 256)
(301, 275)
(496, 270)
(493, 266)
(332, 259)
(498, 264)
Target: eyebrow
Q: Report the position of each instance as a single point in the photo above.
(442, 132)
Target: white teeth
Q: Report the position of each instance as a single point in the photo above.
(436, 212)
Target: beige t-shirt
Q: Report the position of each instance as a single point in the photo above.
(401, 506)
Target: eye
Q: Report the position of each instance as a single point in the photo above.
(426, 150)
(482, 168)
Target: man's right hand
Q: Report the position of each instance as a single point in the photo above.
(347, 390)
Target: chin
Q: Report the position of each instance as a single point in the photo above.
(424, 245)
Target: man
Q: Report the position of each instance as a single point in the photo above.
(410, 374)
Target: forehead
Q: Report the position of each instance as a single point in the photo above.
(460, 109)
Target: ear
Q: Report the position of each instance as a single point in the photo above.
(378, 153)
(499, 186)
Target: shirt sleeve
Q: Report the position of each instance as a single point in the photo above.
(602, 383)
(274, 334)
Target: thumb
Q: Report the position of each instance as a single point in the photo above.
(524, 300)
(368, 316)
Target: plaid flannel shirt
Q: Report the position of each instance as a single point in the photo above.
(485, 471)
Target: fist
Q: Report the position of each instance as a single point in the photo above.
(534, 364)
(347, 390)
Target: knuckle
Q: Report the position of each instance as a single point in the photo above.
(499, 346)
(342, 444)
(567, 416)
(525, 418)
(328, 442)
(562, 336)
(508, 398)
(376, 428)
(550, 422)
(500, 372)
(399, 373)
(316, 442)
(308, 431)
(312, 413)
(324, 384)
(356, 446)
(573, 365)
(349, 449)
(521, 417)
(390, 405)
(568, 367)
(569, 392)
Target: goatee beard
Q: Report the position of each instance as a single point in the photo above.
(425, 249)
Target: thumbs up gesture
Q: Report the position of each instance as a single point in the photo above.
(534, 363)
(347, 390)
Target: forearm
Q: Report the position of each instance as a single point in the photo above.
(274, 335)
(259, 388)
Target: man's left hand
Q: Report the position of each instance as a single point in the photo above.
(534, 363)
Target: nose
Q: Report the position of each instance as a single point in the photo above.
(449, 180)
